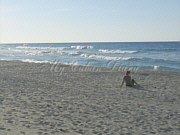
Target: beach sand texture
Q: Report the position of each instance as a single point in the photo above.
(60, 99)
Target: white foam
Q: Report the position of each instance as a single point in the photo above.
(68, 52)
(84, 55)
(105, 57)
(5, 60)
(60, 52)
(33, 61)
(73, 53)
(116, 51)
(55, 48)
(42, 48)
(82, 47)
(31, 52)
(156, 67)
(71, 63)
(16, 50)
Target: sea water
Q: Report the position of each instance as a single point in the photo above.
(162, 56)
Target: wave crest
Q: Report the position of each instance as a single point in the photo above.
(55, 48)
(104, 57)
(82, 47)
(33, 61)
(116, 51)
(42, 48)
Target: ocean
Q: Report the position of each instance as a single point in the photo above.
(160, 56)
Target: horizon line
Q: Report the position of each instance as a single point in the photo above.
(90, 42)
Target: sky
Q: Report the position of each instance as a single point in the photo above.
(59, 21)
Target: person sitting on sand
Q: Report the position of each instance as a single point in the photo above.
(128, 80)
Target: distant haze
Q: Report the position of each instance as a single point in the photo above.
(45, 21)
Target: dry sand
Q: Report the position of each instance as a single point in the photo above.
(59, 99)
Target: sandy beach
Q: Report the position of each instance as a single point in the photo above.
(46, 99)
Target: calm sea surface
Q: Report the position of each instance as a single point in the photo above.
(163, 56)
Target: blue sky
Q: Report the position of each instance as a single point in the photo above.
(45, 21)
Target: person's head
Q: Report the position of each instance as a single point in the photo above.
(127, 72)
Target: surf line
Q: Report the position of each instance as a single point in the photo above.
(121, 68)
(85, 68)
(57, 67)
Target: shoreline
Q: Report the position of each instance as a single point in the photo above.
(37, 100)
(71, 65)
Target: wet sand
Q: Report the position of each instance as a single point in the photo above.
(73, 100)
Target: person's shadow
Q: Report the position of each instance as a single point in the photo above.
(142, 88)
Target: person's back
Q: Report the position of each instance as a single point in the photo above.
(127, 79)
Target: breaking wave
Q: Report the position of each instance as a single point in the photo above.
(42, 48)
(104, 57)
(116, 51)
(33, 61)
(55, 48)
(82, 47)
(32, 52)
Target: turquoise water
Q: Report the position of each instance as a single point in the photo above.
(163, 56)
